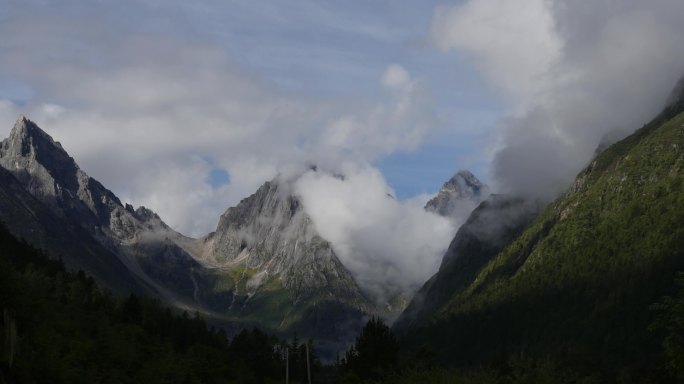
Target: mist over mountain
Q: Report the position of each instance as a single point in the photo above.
(458, 197)
(563, 68)
(281, 273)
(272, 260)
(85, 206)
(287, 168)
(489, 228)
(389, 246)
(52, 203)
(579, 283)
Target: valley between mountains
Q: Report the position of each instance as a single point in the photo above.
(264, 265)
(586, 288)
(331, 192)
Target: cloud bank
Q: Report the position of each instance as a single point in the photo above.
(152, 115)
(390, 247)
(571, 72)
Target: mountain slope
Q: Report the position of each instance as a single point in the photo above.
(265, 264)
(577, 284)
(286, 277)
(138, 239)
(490, 227)
(32, 221)
(59, 326)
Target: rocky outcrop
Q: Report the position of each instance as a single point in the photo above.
(264, 265)
(290, 277)
(270, 232)
(458, 196)
(50, 176)
(28, 218)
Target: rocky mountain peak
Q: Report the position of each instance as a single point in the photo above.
(464, 183)
(265, 263)
(30, 150)
(145, 214)
(462, 187)
(27, 136)
(48, 172)
(270, 233)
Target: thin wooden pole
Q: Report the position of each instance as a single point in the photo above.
(308, 366)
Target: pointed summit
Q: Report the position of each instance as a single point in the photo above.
(30, 150)
(47, 199)
(462, 188)
(22, 126)
(17, 143)
(285, 263)
(27, 137)
(464, 183)
(51, 175)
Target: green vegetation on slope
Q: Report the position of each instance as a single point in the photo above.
(577, 285)
(373, 356)
(58, 326)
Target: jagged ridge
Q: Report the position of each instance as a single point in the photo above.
(264, 265)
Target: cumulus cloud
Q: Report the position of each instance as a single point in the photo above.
(152, 115)
(573, 72)
(399, 122)
(390, 247)
(396, 76)
(513, 42)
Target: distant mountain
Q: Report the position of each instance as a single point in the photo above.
(490, 227)
(264, 265)
(576, 287)
(455, 200)
(458, 196)
(283, 274)
(139, 240)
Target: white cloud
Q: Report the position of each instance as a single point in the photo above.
(571, 71)
(514, 42)
(396, 77)
(389, 246)
(126, 104)
(398, 123)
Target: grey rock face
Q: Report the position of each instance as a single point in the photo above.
(458, 196)
(265, 264)
(286, 277)
(270, 232)
(45, 170)
(28, 218)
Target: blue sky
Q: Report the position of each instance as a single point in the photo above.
(188, 106)
(333, 49)
(318, 52)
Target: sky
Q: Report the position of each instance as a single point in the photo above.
(229, 92)
(187, 107)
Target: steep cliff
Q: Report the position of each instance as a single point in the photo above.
(285, 276)
(78, 202)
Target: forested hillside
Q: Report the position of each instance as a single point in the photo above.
(58, 326)
(580, 287)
